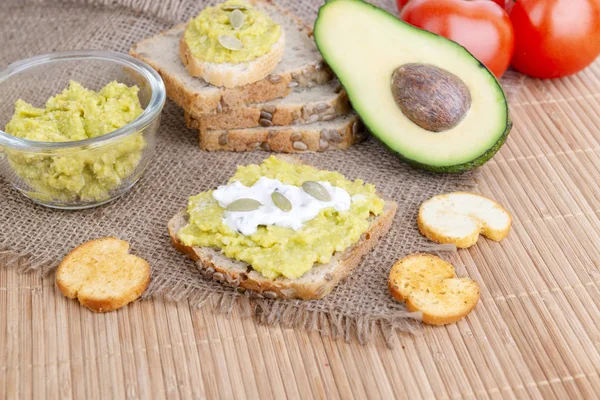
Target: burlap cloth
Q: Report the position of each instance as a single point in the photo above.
(38, 237)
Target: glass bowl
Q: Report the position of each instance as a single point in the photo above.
(83, 173)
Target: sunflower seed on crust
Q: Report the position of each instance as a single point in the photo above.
(323, 144)
(295, 136)
(265, 122)
(266, 115)
(335, 136)
(313, 118)
(270, 295)
(300, 146)
(270, 108)
(273, 78)
(320, 108)
(223, 139)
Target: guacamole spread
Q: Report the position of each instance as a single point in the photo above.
(257, 34)
(77, 114)
(275, 250)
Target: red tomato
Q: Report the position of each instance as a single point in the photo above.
(554, 38)
(501, 3)
(401, 3)
(480, 26)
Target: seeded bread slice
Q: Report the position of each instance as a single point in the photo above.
(300, 66)
(339, 133)
(302, 106)
(231, 75)
(315, 284)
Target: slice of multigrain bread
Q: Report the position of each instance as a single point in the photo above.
(302, 106)
(300, 66)
(315, 284)
(339, 133)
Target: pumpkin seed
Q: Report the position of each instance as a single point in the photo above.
(243, 205)
(231, 43)
(281, 202)
(316, 190)
(236, 19)
(233, 7)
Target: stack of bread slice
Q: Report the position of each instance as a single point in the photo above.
(299, 106)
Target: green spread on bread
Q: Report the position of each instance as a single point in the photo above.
(212, 37)
(275, 250)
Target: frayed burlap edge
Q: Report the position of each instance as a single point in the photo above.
(287, 313)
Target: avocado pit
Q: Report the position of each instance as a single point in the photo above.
(431, 97)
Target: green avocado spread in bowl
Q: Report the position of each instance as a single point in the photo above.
(78, 147)
(78, 114)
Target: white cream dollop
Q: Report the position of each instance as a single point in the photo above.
(304, 206)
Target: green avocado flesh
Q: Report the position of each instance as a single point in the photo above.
(364, 45)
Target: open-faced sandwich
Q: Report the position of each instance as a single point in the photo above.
(282, 229)
(232, 44)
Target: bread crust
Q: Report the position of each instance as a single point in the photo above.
(102, 303)
(431, 232)
(232, 75)
(288, 139)
(280, 114)
(284, 288)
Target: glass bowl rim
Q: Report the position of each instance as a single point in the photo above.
(155, 105)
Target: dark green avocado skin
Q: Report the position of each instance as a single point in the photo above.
(451, 169)
(455, 169)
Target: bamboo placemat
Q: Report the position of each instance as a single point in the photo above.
(535, 332)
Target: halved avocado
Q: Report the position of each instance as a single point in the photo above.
(424, 96)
